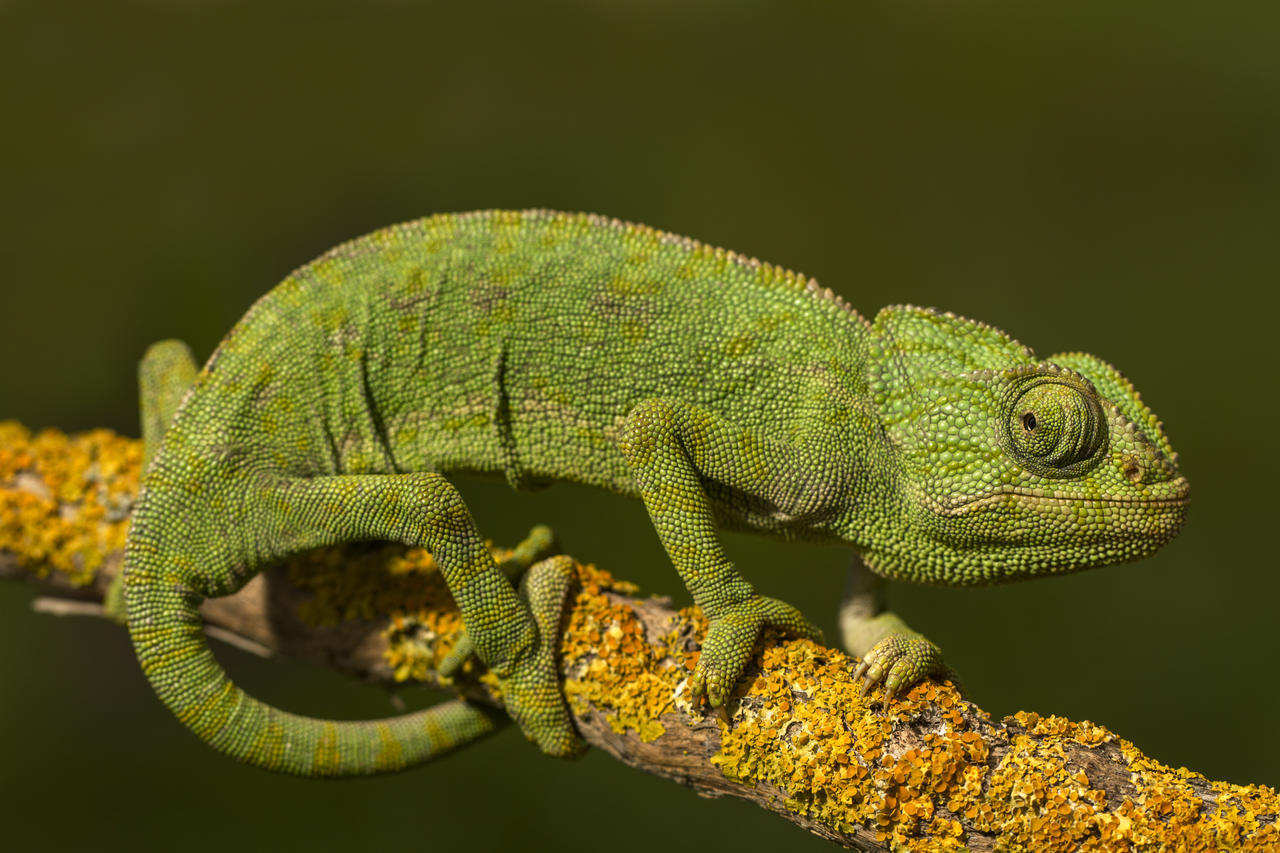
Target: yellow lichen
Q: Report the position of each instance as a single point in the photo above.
(799, 728)
(373, 582)
(797, 723)
(611, 665)
(65, 500)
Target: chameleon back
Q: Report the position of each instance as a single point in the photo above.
(516, 342)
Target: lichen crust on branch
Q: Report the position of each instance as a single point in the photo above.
(931, 771)
(65, 500)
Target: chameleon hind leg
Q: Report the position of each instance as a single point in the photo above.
(165, 375)
(544, 587)
(891, 652)
(526, 560)
(423, 509)
(676, 452)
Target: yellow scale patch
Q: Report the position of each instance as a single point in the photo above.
(391, 754)
(327, 757)
(270, 744)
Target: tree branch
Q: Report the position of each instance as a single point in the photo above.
(931, 772)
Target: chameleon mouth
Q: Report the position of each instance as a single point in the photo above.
(1178, 495)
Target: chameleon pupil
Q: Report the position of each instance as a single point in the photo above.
(1029, 422)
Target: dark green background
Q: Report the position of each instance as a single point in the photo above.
(1088, 177)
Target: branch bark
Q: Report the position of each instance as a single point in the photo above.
(931, 771)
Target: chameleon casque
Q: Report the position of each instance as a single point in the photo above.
(542, 346)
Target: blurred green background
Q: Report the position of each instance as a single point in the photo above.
(1094, 176)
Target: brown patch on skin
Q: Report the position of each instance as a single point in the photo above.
(488, 296)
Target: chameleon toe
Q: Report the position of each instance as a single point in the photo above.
(458, 655)
(731, 641)
(899, 662)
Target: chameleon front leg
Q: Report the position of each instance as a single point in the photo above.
(890, 650)
(672, 449)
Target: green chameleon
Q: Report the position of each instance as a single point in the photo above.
(542, 346)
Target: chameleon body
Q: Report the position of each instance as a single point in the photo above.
(540, 346)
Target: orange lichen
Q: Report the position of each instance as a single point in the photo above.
(927, 773)
(65, 500)
(800, 728)
(374, 582)
(609, 662)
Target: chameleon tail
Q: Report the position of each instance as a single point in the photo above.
(168, 635)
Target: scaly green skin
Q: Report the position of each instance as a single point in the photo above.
(721, 391)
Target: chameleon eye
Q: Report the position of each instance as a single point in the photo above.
(1054, 426)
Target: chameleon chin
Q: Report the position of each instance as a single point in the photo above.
(721, 391)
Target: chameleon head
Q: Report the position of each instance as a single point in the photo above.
(1008, 467)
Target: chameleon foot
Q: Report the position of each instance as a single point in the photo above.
(530, 681)
(899, 661)
(731, 640)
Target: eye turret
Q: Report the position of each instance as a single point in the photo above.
(1055, 427)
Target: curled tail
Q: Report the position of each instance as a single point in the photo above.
(168, 636)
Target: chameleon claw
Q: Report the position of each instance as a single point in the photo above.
(870, 671)
(859, 677)
(899, 661)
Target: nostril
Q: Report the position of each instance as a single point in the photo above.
(1131, 469)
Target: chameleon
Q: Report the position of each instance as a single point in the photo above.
(538, 346)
